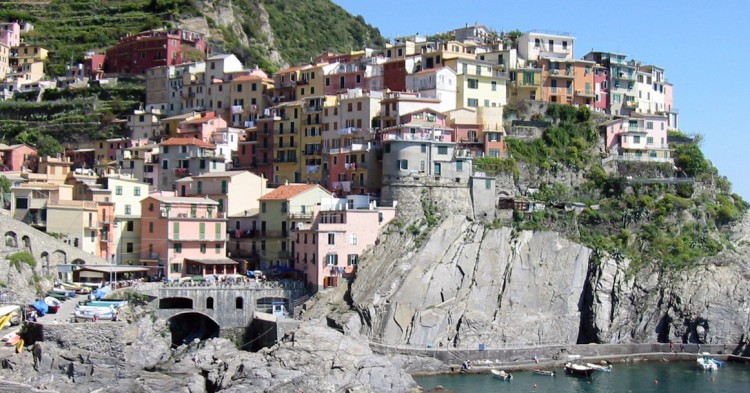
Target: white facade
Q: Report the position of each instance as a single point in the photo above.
(436, 83)
(227, 141)
(532, 46)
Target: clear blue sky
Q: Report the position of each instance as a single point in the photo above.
(701, 44)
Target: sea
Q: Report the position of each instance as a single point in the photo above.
(674, 377)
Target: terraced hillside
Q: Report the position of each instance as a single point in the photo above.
(252, 29)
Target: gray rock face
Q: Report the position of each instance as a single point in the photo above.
(469, 285)
(120, 357)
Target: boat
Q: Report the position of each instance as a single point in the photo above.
(53, 303)
(707, 364)
(578, 369)
(500, 374)
(5, 320)
(105, 314)
(548, 373)
(719, 363)
(59, 296)
(599, 367)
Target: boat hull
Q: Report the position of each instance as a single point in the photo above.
(581, 371)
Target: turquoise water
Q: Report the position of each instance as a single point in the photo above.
(636, 378)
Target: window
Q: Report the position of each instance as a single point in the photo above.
(473, 102)
(459, 166)
(175, 268)
(649, 125)
(218, 248)
(150, 227)
(473, 83)
(636, 139)
(263, 207)
(442, 150)
(221, 205)
(537, 42)
(129, 247)
(203, 248)
(352, 259)
(200, 187)
(402, 164)
(176, 230)
(137, 190)
(150, 207)
(238, 303)
(284, 207)
(488, 184)
(224, 187)
(130, 225)
(423, 148)
(202, 230)
(127, 209)
(178, 248)
(332, 259)
(118, 190)
(331, 239)
(210, 303)
(354, 239)
(649, 140)
(494, 85)
(565, 45)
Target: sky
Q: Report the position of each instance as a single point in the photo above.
(699, 43)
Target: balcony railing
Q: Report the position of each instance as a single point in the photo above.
(585, 93)
(284, 145)
(285, 159)
(562, 73)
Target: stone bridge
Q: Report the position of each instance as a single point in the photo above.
(51, 252)
(230, 306)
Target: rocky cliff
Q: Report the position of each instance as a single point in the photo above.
(470, 283)
(136, 357)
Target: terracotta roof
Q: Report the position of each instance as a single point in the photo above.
(428, 71)
(247, 78)
(286, 192)
(199, 120)
(292, 69)
(186, 142)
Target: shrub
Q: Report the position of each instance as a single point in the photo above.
(22, 257)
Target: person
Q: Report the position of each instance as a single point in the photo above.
(536, 359)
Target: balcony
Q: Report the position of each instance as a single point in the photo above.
(635, 130)
(348, 130)
(313, 108)
(285, 145)
(527, 83)
(625, 76)
(471, 141)
(285, 159)
(562, 73)
(631, 103)
(585, 93)
(182, 172)
(351, 166)
(301, 216)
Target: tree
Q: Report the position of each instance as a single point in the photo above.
(690, 159)
(44, 144)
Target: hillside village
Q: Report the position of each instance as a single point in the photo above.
(228, 169)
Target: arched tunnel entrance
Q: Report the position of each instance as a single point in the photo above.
(188, 326)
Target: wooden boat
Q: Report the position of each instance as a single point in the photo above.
(54, 304)
(578, 369)
(500, 374)
(599, 367)
(548, 373)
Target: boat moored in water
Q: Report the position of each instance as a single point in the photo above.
(500, 374)
(548, 373)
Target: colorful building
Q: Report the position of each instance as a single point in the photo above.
(329, 247)
(281, 210)
(182, 236)
(182, 157)
(637, 138)
(20, 157)
(235, 191)
(136, 53)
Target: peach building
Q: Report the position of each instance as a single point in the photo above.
(329, 248)
(17, 158)
(183, 236)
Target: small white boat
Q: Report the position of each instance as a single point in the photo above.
(547, 373)
(599, 367)
(89, 315)
(500, 374)
(707, 364)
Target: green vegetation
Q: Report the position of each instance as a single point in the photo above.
(565, 143)
(303, 28)
(20, 257)
(668, 225)
(68, 115)
(494, 166)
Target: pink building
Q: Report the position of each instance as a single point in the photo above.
(201, 128)
(637, 138)
(18, 158)
(10, 34)
(183, 236)
(329, 248)
(601, 89)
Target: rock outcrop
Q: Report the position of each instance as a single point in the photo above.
(136, 357)
(470, 284)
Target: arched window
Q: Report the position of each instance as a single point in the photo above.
(210, 303)
(238, 303)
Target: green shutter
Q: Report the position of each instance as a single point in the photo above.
(218, 231)
(176, 230)
(202, 230)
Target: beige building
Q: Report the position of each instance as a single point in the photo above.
(127, 193)
(237, 191)
(480, 83)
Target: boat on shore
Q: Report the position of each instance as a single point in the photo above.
(88, 315)
(53, 303)
(548, 373)
(599, 367)
(500, 374)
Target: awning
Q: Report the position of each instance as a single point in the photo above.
(218, 261)
(113, 269)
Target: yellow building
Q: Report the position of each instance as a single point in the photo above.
(281, 211)
(26, 54)
(480, 83)
(248, 97)
(286, 142)
(525, 83)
